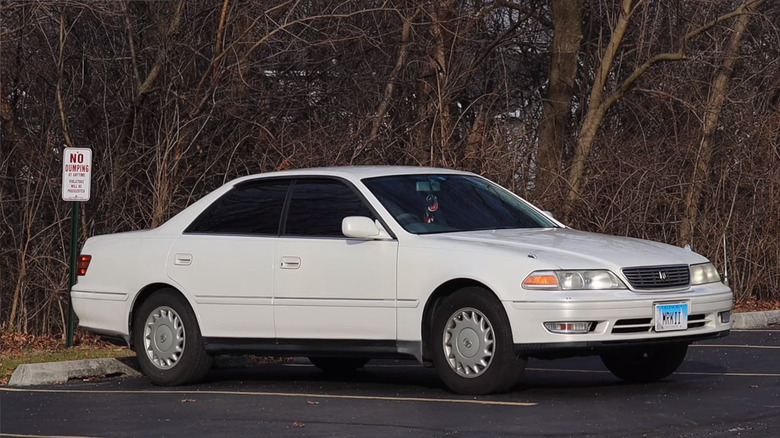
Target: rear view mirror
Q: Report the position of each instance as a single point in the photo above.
(428, 186)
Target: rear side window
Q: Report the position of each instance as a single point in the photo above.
(253, 207)
(318, 206)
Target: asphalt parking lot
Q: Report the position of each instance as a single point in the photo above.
(727, 387)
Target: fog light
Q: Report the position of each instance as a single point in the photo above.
(568, 327)
(725, 317)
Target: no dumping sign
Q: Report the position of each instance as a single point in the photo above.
(76, 174)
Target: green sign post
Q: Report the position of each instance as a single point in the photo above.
(76, 178)
(74, 253)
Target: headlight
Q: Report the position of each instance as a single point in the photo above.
(704, 273)
(573, 280)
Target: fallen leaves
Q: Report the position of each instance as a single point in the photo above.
(753, 305)
(14, 343)
(310, 403)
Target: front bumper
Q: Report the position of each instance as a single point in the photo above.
(573, 349)
(619, 318)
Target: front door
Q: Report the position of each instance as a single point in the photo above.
(328, 286)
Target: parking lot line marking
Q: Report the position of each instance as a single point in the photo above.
(19, 435)
(755, 331)
(694, 373)
(290, 394)
(686, 373)
(760, 347)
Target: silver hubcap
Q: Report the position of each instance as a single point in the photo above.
(164, 338)
(468, 342)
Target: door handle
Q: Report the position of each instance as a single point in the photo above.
(291, 262)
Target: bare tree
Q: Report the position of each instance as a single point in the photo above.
(577, 103)
(599, 103)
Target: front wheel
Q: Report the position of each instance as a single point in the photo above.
(644, 363)
(167, 340)
(471, 340)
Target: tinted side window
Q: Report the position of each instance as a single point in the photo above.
(250, 208)
(318, 206)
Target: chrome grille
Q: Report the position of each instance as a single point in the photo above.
(645, 325)
(658, 277)
(638, 325)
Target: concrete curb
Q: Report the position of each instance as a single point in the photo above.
(754, 320)
(54, 373)
(60, 372)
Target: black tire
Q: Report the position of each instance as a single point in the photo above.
(645, 363)
(482, 360)
(167, 340)
(338, 365)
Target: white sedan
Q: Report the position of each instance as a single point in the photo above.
(347, 264)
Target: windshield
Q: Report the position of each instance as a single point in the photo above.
(424, 204)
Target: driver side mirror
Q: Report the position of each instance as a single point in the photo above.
(361, 227)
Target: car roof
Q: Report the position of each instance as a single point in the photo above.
(353, 172)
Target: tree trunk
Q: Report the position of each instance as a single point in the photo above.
(440, 15)
(567, 28)
(596, 108)
(432, 129)
(403, 51)
(122, 142)
(717, 97)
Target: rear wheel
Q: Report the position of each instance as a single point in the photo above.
(645, 363)
(471, 340)
(338, 365)
(167, 340)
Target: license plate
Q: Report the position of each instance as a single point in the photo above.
(670, 317)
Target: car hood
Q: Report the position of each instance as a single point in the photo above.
(565, 248)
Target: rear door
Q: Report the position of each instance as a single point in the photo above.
(225, 260)
(328, 286)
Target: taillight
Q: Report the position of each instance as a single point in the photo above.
(83, 264)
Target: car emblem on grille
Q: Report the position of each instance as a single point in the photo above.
(662, 275)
